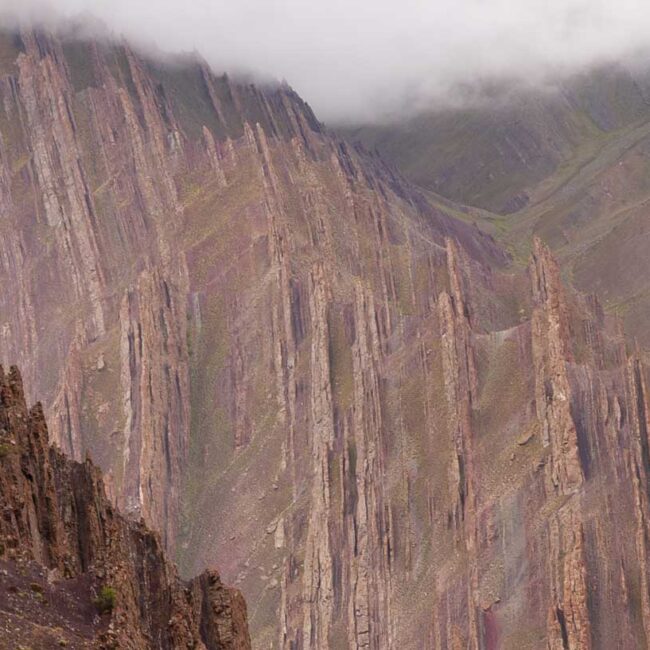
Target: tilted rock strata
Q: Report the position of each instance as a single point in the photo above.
(158, 232)
(550, 339)
(340, 394)
(56, 513)
(548, 531)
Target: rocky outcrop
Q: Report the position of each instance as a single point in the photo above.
(56, 515)
(550, 340)
(569, 622)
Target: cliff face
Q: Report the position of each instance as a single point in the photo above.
(342, 395)
(545, 492)
(59, 529)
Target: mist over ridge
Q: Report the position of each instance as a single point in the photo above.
(368, 60)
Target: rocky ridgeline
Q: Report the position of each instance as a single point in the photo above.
(99, 580)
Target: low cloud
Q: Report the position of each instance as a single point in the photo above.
(365, 59)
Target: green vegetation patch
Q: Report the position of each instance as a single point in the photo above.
(10, 48)
(105, 601)
(79, 57)
(6, 449)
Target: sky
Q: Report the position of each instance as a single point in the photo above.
(363, 60)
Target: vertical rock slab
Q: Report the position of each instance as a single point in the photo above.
(318, 569)
(550, 355)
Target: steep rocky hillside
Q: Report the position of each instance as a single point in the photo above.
(331, 385)
(75, 573)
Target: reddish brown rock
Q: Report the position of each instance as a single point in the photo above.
(58, 525)
(323, 378)
(550, 341)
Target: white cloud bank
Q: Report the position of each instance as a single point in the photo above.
(358, 59)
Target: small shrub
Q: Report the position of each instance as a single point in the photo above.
(105, 601)
(6, 449)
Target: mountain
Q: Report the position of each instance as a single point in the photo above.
(75, 573)
(568, 164)
(513, 146)
(303, 369)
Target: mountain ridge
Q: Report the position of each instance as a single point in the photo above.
(303, 369)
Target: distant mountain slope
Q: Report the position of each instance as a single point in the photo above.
(571, 167)
(597, 222)
(507, 151)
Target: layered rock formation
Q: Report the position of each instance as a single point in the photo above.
(346, 397)
(59, 527)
